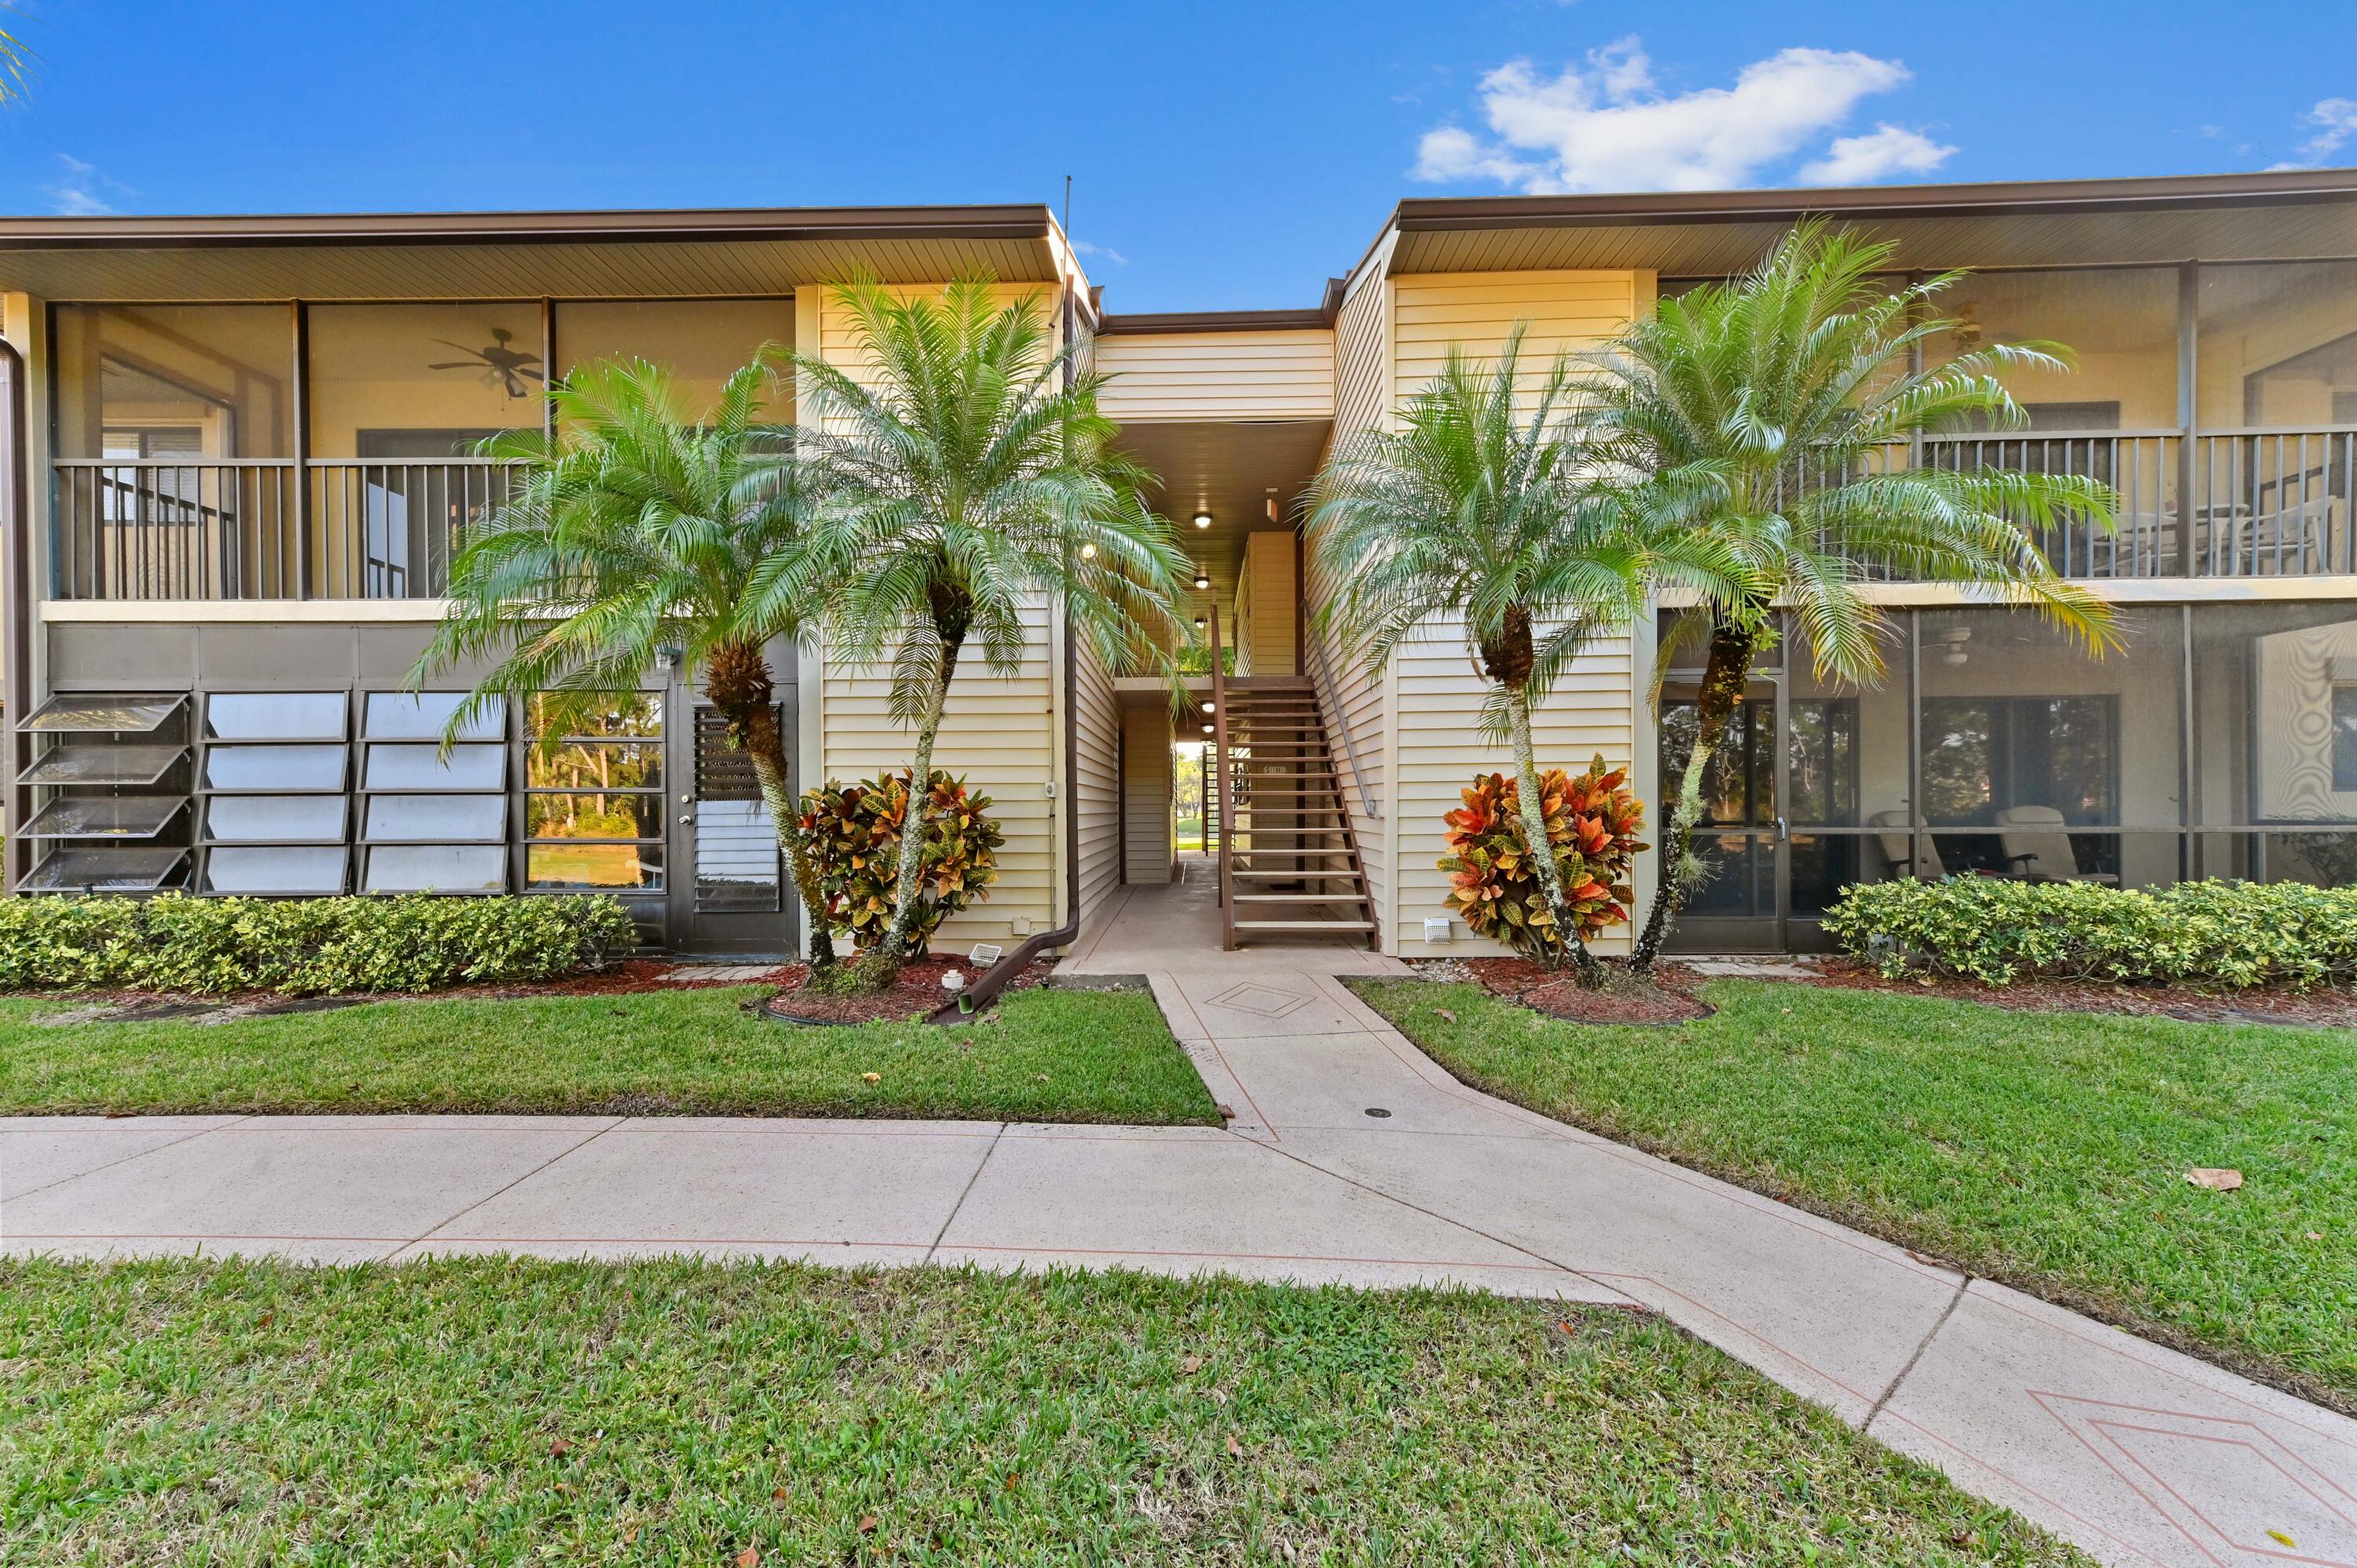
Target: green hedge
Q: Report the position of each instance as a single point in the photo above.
(302, 946)
(2208, 934)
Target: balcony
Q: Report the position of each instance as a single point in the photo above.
(336, 528)
(2270, 502)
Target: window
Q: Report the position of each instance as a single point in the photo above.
(426, 716)
(2119, 325)
(438, 819)
(436, 869)
(441, 374)
(2344, 739)
(280, 819)
(276, 868)
(593, 794)
(427, 767)
(273, 768)
(435, 822)
(737, 850)
(276, 716)
(2278, 343)
(700, 342)
(204, 381)
(276, 818)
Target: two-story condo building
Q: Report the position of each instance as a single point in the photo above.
(237, 451)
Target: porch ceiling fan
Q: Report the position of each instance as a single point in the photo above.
(504, 365)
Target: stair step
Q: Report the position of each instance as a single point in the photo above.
(1305, 925)
(1298, 898)
(1326, 854)
(1302, 874)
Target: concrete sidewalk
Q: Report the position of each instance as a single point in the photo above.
(2140, 1455)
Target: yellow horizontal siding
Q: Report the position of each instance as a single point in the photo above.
(1097, 792)
(1000, 732)
(1175, 376)
(1566, 311)
(1150, 851)
(1440, 750)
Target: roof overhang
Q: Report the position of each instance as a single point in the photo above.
(701, 252)
(2277, 215)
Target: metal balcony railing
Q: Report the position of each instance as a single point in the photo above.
(346, 527)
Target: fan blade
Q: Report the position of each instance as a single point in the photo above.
(457, 365)
(535, 375)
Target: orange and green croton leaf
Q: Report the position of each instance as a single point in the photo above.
(1592, 823)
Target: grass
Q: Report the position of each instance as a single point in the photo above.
(1042, 1056)
(498, 1410)
(2045, 1149)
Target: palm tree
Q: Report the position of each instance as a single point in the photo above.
(1479, 507)
(16, 62)
(1777, 412)
(970, 476)
(635, 532)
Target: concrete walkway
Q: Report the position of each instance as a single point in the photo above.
(2141, 1455)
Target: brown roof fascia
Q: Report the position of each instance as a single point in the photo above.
(1214, 321)
(2276, 187)
(1017, 221)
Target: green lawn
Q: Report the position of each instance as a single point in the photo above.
(489, 1410)
(1041, 1056)
(2045, 1149)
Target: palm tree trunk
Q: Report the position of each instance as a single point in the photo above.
(909, 878)
(1724, 675)
(736, 678)
(1532, 803)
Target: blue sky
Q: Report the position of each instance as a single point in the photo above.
(1224, 156)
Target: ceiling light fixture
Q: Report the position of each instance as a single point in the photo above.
(1202, 580)
(1200, 623)
(1202, 520)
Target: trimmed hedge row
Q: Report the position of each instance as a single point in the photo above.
(2209, 934)
(303, 946)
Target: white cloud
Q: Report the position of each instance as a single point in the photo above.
(2336, 119)
(1877, 156)
(76, 192)
(1607, 124)
(1107, 252)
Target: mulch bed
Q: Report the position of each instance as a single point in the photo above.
(2325, 1009)
(916, 993)
(1622, 1000)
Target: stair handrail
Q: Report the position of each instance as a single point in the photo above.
(1332, 701)
(1227, 815)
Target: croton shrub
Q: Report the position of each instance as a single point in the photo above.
(853, 832)
(2214, 935)
(1592, 822)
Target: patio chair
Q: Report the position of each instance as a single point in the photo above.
(1898, 848)
(2038, 848)
(2292, 540)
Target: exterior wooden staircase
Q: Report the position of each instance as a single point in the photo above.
(1289, 857)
